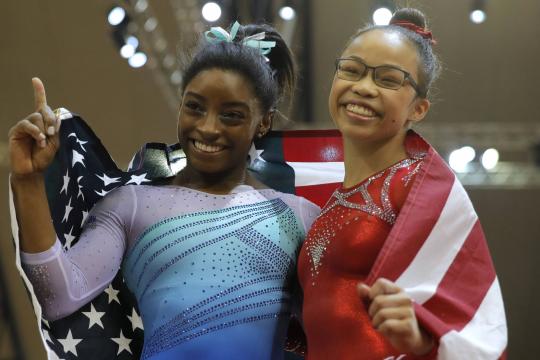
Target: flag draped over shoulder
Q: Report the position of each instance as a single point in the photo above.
(437, 253)
(82, 172)
(436, 250)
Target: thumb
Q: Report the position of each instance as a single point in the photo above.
(363, 290)
(40, 98)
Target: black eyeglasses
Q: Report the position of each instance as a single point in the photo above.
(385, 76)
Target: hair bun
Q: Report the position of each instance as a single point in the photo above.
(412, 15)
(280, 57)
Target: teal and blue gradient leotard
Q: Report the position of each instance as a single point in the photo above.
(213, 275)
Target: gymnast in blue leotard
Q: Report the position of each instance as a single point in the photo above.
(209, 254)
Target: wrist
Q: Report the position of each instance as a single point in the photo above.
(427, 344)
(26, 179)
(24, 183)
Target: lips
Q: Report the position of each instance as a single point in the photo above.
(207, 148)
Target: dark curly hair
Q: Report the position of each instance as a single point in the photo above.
(270, 77)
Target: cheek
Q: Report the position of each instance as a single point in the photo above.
(333, 89)
(333, 97)
(181, 128)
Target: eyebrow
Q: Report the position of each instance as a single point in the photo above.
(390, 65)
(228, 103)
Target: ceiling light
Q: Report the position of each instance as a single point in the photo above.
(478, 16)
(211, 11)
(287, 13)
(127, 51)
(137, 60)
(116, 16)
(490, 158)
(460, 158)
(478, 11)
(382, 16)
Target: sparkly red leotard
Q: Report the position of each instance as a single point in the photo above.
(338, 253)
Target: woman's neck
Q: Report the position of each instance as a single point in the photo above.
(219, 183)
(363, 159)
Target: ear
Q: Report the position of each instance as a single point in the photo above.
(419, 110)
(266, 123)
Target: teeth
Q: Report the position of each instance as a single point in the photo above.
(207, 148)
(360, 110)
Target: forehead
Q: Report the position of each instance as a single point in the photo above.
(378, 47)
(225, 85)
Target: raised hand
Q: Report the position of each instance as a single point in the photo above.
(33, 141)
(392, 313)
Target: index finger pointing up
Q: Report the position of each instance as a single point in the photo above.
(40, 99)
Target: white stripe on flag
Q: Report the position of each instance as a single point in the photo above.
(317, 173)
(484, 337)
(441, 247)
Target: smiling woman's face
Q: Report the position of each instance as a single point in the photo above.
(219, 117)
(365, 111)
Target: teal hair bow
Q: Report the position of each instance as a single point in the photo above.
(217, 34)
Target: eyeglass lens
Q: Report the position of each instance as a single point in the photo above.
(384, 76)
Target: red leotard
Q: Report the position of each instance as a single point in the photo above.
(338, 253)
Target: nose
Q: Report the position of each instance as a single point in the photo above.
(209, 126)
(365, 86)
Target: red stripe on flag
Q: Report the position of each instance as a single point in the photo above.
(465, 283)
(418, 216)
(319, 194)
(312, 146)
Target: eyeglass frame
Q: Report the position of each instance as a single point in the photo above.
(407, 76)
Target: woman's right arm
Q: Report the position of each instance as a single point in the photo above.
(62, 281)
(33, 143)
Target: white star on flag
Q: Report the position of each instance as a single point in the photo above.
(69, 239)
(103, 192)
(136, 321)
(77, 158)
(84, 215)
(107, 180)
(123, 343)
(69, 343)
(138, 179)
(66, 183)
(68, 211)
(80, 142)
(254, 154)
(113, 294)
(94, 316)
(80, 187)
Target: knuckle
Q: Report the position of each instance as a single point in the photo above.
(378, 302)
(408, 301)
(384, 315)
(34, 117)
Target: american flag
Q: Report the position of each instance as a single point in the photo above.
(436, 250)
(82, 172)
